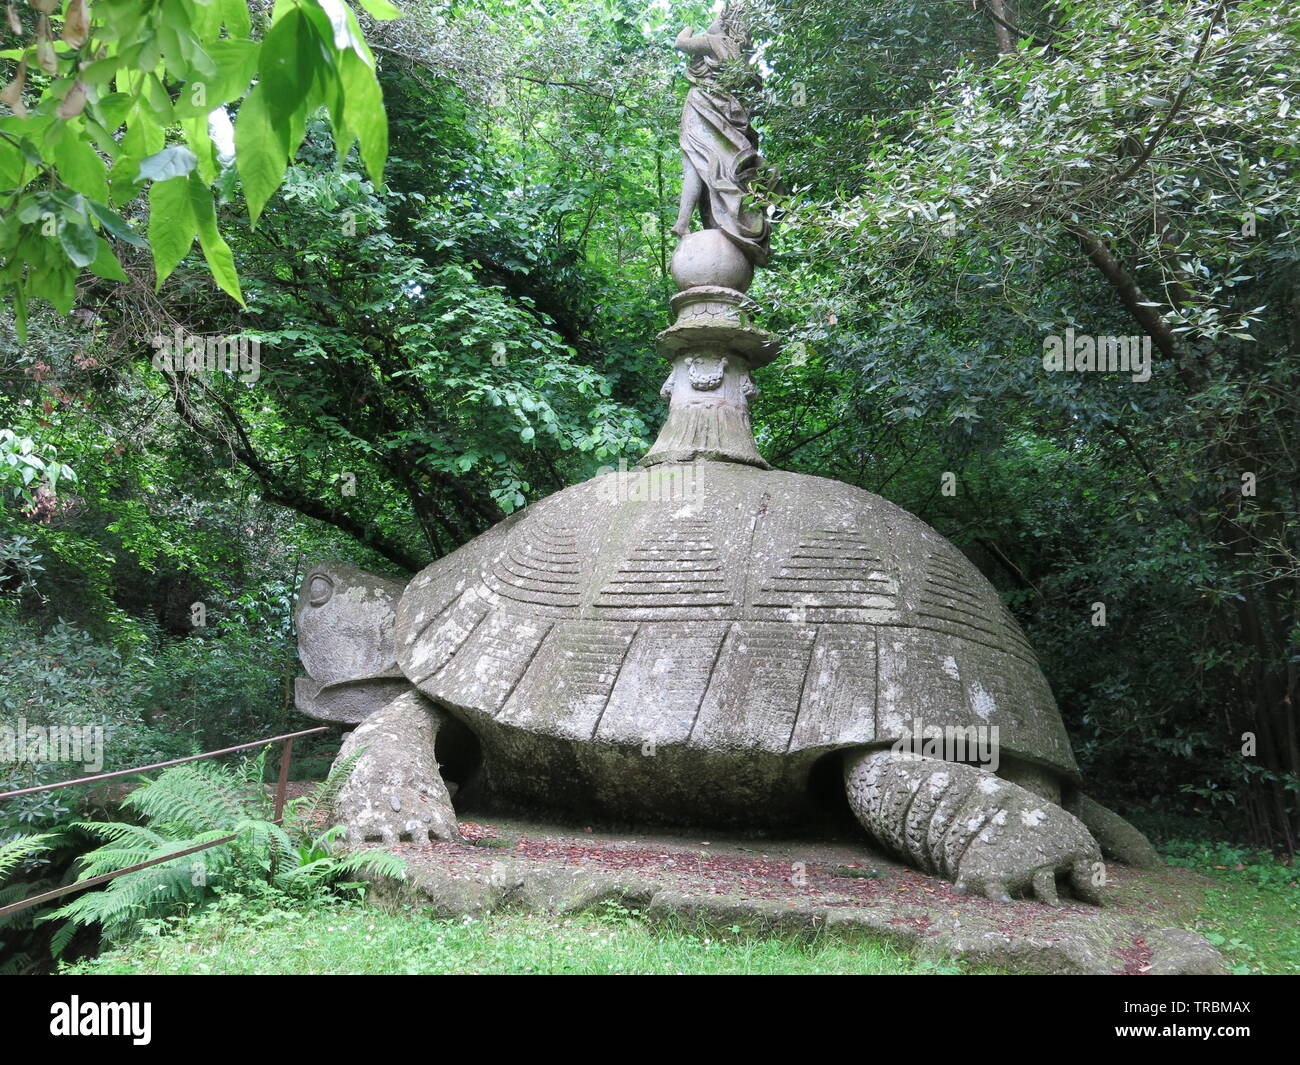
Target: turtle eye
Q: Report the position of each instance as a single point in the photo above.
(320, 590)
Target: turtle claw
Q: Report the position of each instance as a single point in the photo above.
(1044, 884)
(1086, 878)
(1022, 842)
(996, 892)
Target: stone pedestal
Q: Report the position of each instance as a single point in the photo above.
(713, 347)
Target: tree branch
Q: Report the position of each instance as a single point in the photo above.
(275, 489)
(1177, 105)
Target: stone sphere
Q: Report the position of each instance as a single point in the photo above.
(707, 257)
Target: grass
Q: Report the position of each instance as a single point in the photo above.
(348, 938)
(1253, 914)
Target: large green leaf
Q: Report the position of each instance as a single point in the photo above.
(80, 166)
(111, 109)
(171, 224)
(79, 240)
(106, 264)
(215, 249)
(55, 282)
(144, 136)
(381, 10)
(176, 161)
(11, 165)
(294, 64)
(335, 22)
(237, 61)
(195, 128)
(236, 67)
(364, 110)
(261, 151)
(234, 13)
(116, 224)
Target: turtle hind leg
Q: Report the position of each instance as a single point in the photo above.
(987, 835)
(394, 790)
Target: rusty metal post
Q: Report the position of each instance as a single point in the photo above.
(285, 757)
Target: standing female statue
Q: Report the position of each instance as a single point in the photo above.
(719, 148)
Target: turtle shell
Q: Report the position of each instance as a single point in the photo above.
(726, 610)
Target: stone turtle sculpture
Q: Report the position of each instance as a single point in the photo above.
(707, 640)
(690, 643)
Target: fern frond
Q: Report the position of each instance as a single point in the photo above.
(253, 769)
(327, 839)
(321, 799)
(191, 805)
(379, 862)
(62, 937)
(15, 964)
(120, 831)
(110, 859)
(190, 798)
(133, 896)
(267, 835)
(314, 871)
(15, 850)
(16, 892)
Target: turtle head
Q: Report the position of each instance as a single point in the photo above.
(345, 641)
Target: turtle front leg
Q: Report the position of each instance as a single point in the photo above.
(395, 790)
(969, 826)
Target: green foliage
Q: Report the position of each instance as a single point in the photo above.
(475, 333)
(21, 855)
(64, 678)
(199, 803)
(21, 465)
(424, 379)
(223, 688)
(124, 78)
(19, 849)
(1253, 915)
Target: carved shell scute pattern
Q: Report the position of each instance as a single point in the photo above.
(541, 565)
(676, 564)
(766, 610)
(715, 556)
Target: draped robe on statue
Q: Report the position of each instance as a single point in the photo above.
(718, 142)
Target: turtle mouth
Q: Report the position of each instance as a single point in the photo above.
(348, 701)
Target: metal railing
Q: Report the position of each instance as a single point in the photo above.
(81, 885)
